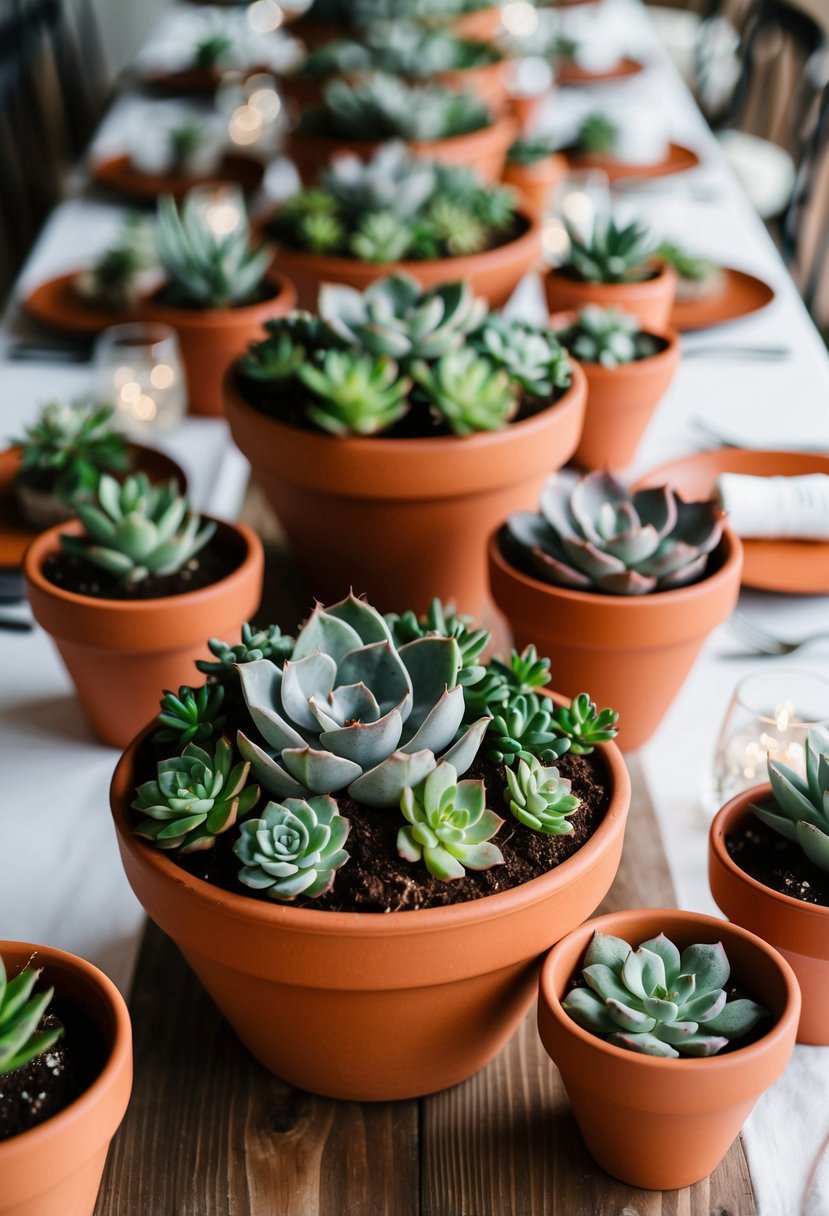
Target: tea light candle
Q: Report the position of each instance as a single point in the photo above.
(222, 205)
(519, 18)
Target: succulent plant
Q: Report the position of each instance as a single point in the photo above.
(68, 447)
(456, 226)
(354, 394)
(592, 534)
(524, 728)
(597, 135)
(585, 725)
(184, 139)
(195, 797)
(20, 1017)
(137, 529)
(206, 269)
(657, 1001)
(533, 357)
(115, 279)
(530, 150)
(696, 277)
(609, 337)
(294, 849)
(212, 49)
(800, 811)
(540, 798)
(445, 624)
(392, 180)
(612, 254)
(192, 716)
(288, 346)
(381, 237)
(366, 13)
(467, 392)
(380, 107)
(321, 232)
(524, 673)
(399, 48)
(450, 827)
(255, 644)
(352, 710)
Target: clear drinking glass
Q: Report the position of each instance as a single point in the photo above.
(138, 368)
(580, 199)
(770, 715)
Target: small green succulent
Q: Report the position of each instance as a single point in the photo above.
(192, 716)
(524, 728)
(440, 622)
(380, 107)
(501, 682)
(465, 391)
(68, 447)
(212, 49)
(354, 394)
(206, 269)
(584, 725)
(294, 849)
(185, 138)
(195, 797)
(659, 1002)
(137, 529)
(321, 232)
(533, 357)
(597, 135)
(609, 337)
(687, 265)
(800, 811)
(381, 237)
(269, 643)
(449, 825)
(20, 1017)
(612, 254)
(540, 798)
(288, 346)
(114, 279)
(457, 227)
(530, 150)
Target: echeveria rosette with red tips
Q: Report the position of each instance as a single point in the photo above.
(592, 534)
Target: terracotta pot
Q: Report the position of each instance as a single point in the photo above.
(538, 180)
(119, 174)
(487, 81)
(122, 653)
(798, 930)
(55, 1169)
(656, 1123)
(650, 301)
(402, 520)
(484, 150)
(420, 1000)
(494, 274)
(211, 338)
(621, 401)
(482, 25)
(57, 304)
(631, 652)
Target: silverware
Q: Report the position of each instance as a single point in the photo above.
(765, 354)
(660, 188)
(16, 624)
(724, 439)
(49, 352)
(765, 643)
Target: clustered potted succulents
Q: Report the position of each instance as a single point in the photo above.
(327, 20)
(317, 856)
(392, 431)
(436, 222)
(698, 278)
(619, 588)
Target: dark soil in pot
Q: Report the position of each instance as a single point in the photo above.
(779, 864)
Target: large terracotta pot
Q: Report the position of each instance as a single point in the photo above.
(122, 653)
(632, 652)
(417, 1001)
(210, 339)
(494, 275)
(650, 301)
(484, 150)
(402, 520)
(537, 180)
(798, 930)
(656, 1123)
(55, 1169)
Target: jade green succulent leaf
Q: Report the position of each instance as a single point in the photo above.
(800, 810)
(20, 1016)
(354, 394)
(466, 392)
(533, 357)
(613, 254)
(502, 682)
(597, 134)
(195, 797)
(380, 107)
(116, 278)
(608, 337)
(540, 798)
(447, 624)
(192, 716)
(585, 725)
(659, 1002)
(70, 446)
(352, 709)
(524, 729)
(206, 269)
(449, 825)
(294, 849)
(268, 643)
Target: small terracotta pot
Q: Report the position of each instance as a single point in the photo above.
(121, 654)
(484, 150)
(798, 930)
(621, 401)
(55, 1169)
(650, 301)
(420, 1000)
(632, 652)
(211, 338)
(655, 1123)
(538, 180)
(494, 274)
(57, 304)
(402, 520)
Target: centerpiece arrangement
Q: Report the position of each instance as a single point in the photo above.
(327, 20)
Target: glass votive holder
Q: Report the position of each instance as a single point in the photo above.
(137, 367)
(770, 715)
(578, 201)
(220, 204)
(252, 107)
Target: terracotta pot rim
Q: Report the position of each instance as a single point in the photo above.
(216, 318)
(501, 125)
(366, 924)
(47, 542)
(683, 1066)
(725, 819)
(118, 1058)
(636, 367)
(624, 603)
(641, 287)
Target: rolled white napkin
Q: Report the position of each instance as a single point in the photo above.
(772, 507)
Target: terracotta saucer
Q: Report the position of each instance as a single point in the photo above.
(58, 305)
(117, 173)
(569, 72)
(741, 294)
(678, 160)
(794, 567)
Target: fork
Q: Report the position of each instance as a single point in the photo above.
(724, 439)
(765, 643)
(769, 354)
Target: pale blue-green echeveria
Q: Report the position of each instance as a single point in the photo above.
(294, 849)
(450, 827)
(657, 1002)
(350, 710)
(196, 796)
(20, 1014)
(540, 798)
(800, 811)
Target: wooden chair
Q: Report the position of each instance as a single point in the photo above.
(806, 221)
